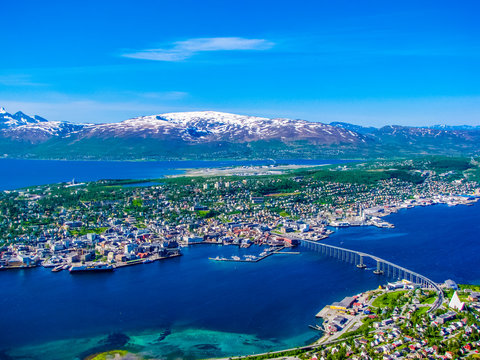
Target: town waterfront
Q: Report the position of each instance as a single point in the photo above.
(191, 307)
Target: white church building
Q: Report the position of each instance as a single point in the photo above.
(455, 303)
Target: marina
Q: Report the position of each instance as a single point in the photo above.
(251, 258)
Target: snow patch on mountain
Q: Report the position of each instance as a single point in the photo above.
(208, 126)
(21, 126)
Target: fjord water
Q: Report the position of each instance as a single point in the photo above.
(17, 173)
(267, 304)
(192, 307)
(440, 242)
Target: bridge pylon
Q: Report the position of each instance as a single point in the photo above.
(379, 271)
(361, 265)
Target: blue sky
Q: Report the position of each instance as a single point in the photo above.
(368, 63)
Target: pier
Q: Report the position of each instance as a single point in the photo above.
(141, 261)
(382, 267)
(255, 260)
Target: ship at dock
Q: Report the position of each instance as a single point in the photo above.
(90, 268)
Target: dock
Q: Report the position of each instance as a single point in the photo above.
(255, 260)
(17, 267)
(324, 312)
(140, 261)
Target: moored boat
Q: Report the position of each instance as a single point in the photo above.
(91, 268)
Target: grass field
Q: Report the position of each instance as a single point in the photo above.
(389, 299)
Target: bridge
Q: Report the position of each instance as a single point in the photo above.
(383, 267)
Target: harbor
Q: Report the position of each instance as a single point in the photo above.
(146, 261)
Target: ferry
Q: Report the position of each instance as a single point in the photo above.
(90, 268)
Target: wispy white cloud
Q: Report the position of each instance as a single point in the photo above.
(164, 95)
(182, 50)
(18, 80)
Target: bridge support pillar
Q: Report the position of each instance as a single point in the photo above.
(379, 271)
(361, 265)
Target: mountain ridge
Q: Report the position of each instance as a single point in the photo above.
(213, 134)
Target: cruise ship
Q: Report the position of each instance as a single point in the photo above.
(90, 268)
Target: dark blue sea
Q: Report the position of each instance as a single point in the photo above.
(440, 242)
(15, 173)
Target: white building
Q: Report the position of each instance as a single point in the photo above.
(455, 303)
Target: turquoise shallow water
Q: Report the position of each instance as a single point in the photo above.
(191, 307)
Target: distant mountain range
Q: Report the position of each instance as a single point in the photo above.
(217, 135)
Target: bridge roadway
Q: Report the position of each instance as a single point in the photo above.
(384, 267)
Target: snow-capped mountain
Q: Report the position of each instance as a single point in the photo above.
(212, 126)
(8, 120)
(213, 135)
(20, 126)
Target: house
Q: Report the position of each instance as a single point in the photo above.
(339, 321)
(120, 258)
(442, 319)
(449, 355)
(258, 199)
(474, 296)
(89, 256)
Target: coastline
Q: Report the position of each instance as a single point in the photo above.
(26, 173)
(242, 170)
